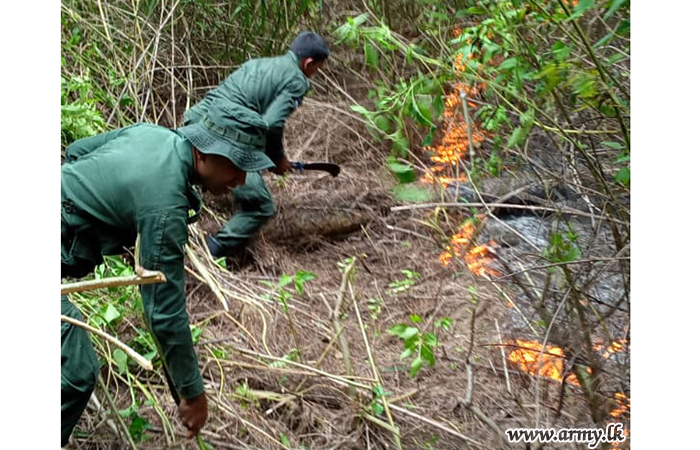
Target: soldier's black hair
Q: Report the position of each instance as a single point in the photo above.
(309, 44)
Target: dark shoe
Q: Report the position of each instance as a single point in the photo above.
(215, 247)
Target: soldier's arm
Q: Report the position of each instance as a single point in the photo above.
(276, 114)
(163, 237)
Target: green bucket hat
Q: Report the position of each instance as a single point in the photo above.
(217, 133)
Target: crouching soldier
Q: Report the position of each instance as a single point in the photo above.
(138, 181)
(261, 94)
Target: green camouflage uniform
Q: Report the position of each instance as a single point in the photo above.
(262, 93)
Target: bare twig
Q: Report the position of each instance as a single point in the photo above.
(375, 372)
(209, 280)
(345, 349)
(131, 280)
(143, 362)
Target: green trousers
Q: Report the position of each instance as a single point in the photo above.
(79, 370)
(254, 207)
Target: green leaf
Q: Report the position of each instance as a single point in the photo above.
(560, 51)
(430, 339)
(138, 427)
(358, 20)
(301, 277)
(361, 110)
(408, 333)
(285, 440)
(403, 172)
(623, 158)
(426, 354)
(400, 144)
(584, 85)
(623, 28)
(422, 113)
(438, 106)
(614, 5)
(415, 318)
(474, 10)
(428, 139)
(615, 58)
(111, 314)
(196, 333)
(371, 55)
(398, 329)
(412, 193)
(416, 366)
(284, 280)
(581, 7)
(517, 137)
(527, 118)
(121, 359)
(611, 144)
(623, 176)
(408, 352)
(604, 40)
(382, 123)
(508, 64)
(444, 323)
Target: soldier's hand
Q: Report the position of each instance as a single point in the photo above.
(283, 165)
(193, 413)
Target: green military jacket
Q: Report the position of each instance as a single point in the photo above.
(260, 95)
(136, 180)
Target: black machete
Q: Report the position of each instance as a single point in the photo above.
(333, 169)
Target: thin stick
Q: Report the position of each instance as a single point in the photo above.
(503, 356)
(381, 423)
(345, 349)
(336, 378)
(515, 306)
(463, 97)
(435, 424)
(576, 261)
(114, 410)
(143, 362)
(488, 421)
(215, 288)
(375, 372)
(131, 280)
(99, 409)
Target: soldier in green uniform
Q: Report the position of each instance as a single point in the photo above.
(261, 94)
(138, 180)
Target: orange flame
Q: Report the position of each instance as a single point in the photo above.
(477, 258)
(454, 144)
(527, 357)
(614, 347)
(623, 405)
(551, 364)
(452, 148)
